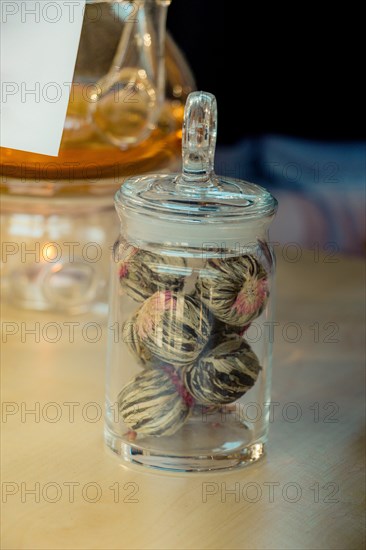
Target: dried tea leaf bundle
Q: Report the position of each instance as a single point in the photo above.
(224, 374)
(151, 404)
(142, 273)
(173, 327)
(236, 292)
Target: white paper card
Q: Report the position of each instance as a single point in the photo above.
(39, 42)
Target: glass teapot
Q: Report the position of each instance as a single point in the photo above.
(126, 102)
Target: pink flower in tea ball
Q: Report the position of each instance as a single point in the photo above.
(251, 297)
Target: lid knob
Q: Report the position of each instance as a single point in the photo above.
(199, 140)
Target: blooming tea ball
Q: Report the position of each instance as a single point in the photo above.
(141, 273)
(236, 292)
(223, 374)
(152, 403)
(174, 327)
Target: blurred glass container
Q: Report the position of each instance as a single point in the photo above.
(124, 117)
(54, 252)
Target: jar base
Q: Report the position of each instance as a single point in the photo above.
(167, 461)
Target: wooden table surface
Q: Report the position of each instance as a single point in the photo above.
(61, 488)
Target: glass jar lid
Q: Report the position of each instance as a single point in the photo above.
(197, 203)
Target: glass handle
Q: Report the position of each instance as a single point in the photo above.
(129, 98)
(199, 139)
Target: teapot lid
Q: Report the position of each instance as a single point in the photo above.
(196, 205)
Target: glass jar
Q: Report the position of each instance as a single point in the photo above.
(124, 117)
(54, 253)
(191, 284)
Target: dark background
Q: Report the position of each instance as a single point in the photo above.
(299, 69)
